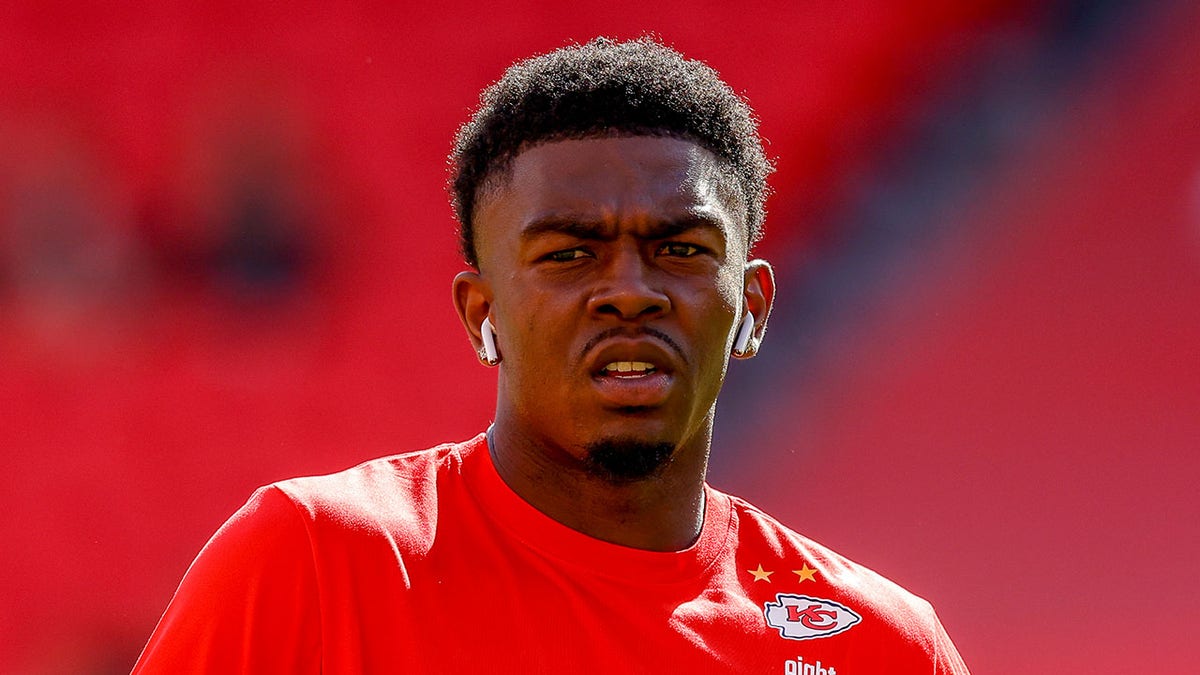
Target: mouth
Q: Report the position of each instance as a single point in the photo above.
(626, 383)
(633, 372)
(628, 370)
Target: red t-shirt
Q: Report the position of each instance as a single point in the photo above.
(427, 562)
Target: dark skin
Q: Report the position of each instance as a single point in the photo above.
(616, 273)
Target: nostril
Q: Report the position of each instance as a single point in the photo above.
(628, 309)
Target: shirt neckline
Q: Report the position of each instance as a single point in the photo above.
(537, 530)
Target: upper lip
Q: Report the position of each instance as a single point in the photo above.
(625, 348)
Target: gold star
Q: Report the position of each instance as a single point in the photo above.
(806, 573)
(760, 574)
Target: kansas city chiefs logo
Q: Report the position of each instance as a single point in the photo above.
(800, 617)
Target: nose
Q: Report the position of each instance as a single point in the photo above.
(627, 289)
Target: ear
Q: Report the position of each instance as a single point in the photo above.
(473, 302)
(759, 296)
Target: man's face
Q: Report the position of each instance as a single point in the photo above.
(614, 271)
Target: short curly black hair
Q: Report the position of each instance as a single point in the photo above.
(604, 88)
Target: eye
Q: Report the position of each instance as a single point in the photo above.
(567, 255)
(679, 249)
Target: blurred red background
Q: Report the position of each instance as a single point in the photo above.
(225, 256)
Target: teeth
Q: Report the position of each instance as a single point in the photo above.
(628, 367)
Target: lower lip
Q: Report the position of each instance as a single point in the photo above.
(625, 392)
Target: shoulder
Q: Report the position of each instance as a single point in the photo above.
(395, 495)
(834, 576)
(375, 482)
(257, 594)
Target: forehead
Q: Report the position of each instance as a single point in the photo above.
(626, 180)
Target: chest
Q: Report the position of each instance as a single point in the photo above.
(489, 606)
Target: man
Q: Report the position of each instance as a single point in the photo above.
(608, 196)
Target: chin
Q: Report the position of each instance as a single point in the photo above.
(627, 459)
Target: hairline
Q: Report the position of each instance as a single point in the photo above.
(486, 144)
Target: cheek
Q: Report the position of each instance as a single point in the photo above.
(714, 311)
(730, 289)
(541, 326)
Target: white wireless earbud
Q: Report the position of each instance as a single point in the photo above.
(489, 341)
(742, 342)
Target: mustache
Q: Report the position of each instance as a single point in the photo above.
(619, 331)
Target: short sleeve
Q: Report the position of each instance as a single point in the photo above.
(248, 603)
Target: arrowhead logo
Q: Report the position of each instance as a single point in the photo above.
(800, 617)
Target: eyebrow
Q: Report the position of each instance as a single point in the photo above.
(602, 231)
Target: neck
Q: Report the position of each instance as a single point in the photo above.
(662, 512)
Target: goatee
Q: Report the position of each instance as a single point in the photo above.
(618, 460)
